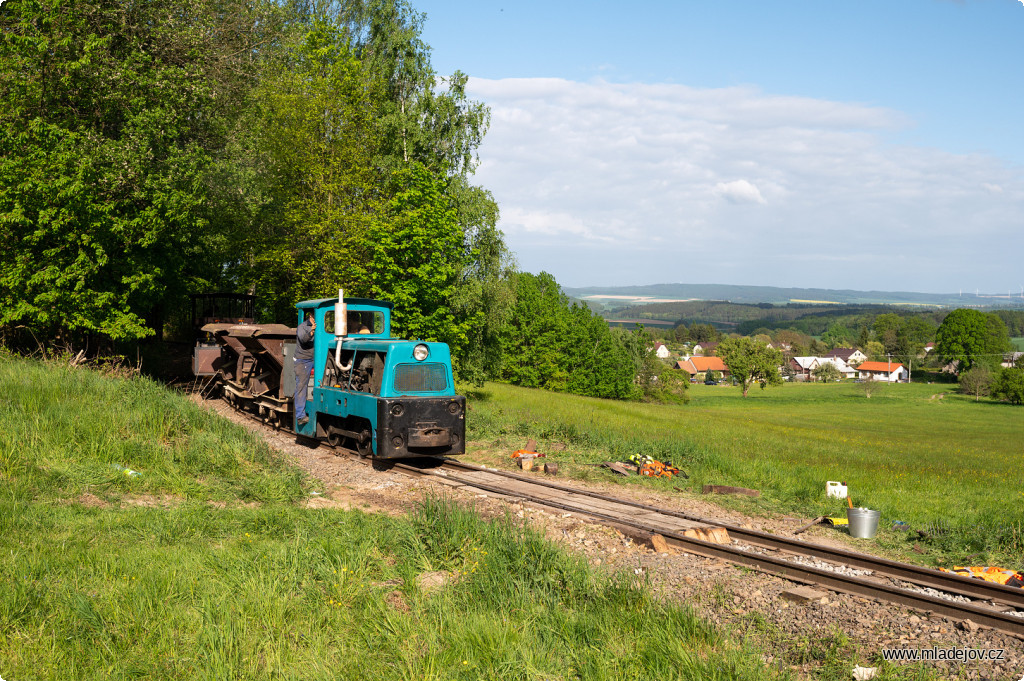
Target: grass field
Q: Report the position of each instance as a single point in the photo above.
(206, 564)
(918, 453)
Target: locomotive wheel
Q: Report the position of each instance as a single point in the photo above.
(363, 446)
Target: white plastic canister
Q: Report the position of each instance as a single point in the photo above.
(835, 489)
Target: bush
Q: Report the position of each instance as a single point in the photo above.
(1010, 386)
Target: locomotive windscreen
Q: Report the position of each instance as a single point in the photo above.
(421, 378)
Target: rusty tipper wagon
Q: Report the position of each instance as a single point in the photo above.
(380, 396)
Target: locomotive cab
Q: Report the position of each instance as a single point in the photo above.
(386, 397)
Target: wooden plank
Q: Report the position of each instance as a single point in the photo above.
(715, 535)
(616, 467)
(603, 505)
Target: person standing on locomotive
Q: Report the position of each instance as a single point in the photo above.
(303, 366)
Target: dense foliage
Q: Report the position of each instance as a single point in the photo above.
(1010, 385)
(1014, 320)
(284, 149)
(548, 343)
(110, 116)
(972, 338)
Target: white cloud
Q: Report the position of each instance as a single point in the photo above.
(739, 191)
(638, 183)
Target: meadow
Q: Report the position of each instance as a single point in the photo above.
(143, 537)
(921, 454)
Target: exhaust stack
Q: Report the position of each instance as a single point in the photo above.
(340, 325)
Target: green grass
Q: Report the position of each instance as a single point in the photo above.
(224, 573)
(918, 453)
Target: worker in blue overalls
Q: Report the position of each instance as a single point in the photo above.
(303, 366)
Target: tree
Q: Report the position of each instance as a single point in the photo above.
(415, 258)
(548, 343)
(976, 381)
(970, 337)
(703, 333)
(671, 386)
(870, 386)
(1010, 385)
(750, 362)
(886, 328)
(836, 335)
(300, 178)
(796, 340)
(863, 338)
(420, 121)
(827, 373)
(486, 292)
(875, 351)
(350, 141)
(110, 118)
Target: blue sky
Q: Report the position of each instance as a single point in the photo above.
(863, 145)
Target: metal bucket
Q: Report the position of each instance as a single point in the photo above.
(863, 522)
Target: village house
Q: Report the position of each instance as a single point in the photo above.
(706, 349)
(802, 367)
(701, 365)
(890, 372)
(845, 369)
(1011, 358)
(850, 356)
(661, 351)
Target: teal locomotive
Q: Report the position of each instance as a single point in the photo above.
(379, 396)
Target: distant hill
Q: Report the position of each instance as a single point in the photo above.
(610, 297)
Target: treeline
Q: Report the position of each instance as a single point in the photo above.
(1014, 320)
(703, 311)
(283, 148)
(750, 318)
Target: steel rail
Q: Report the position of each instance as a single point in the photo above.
(923, 576)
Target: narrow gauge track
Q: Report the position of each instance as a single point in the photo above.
(998, 601)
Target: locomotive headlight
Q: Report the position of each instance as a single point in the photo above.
(420, 352)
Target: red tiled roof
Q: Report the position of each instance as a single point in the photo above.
(708, 364)
(879, 366)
